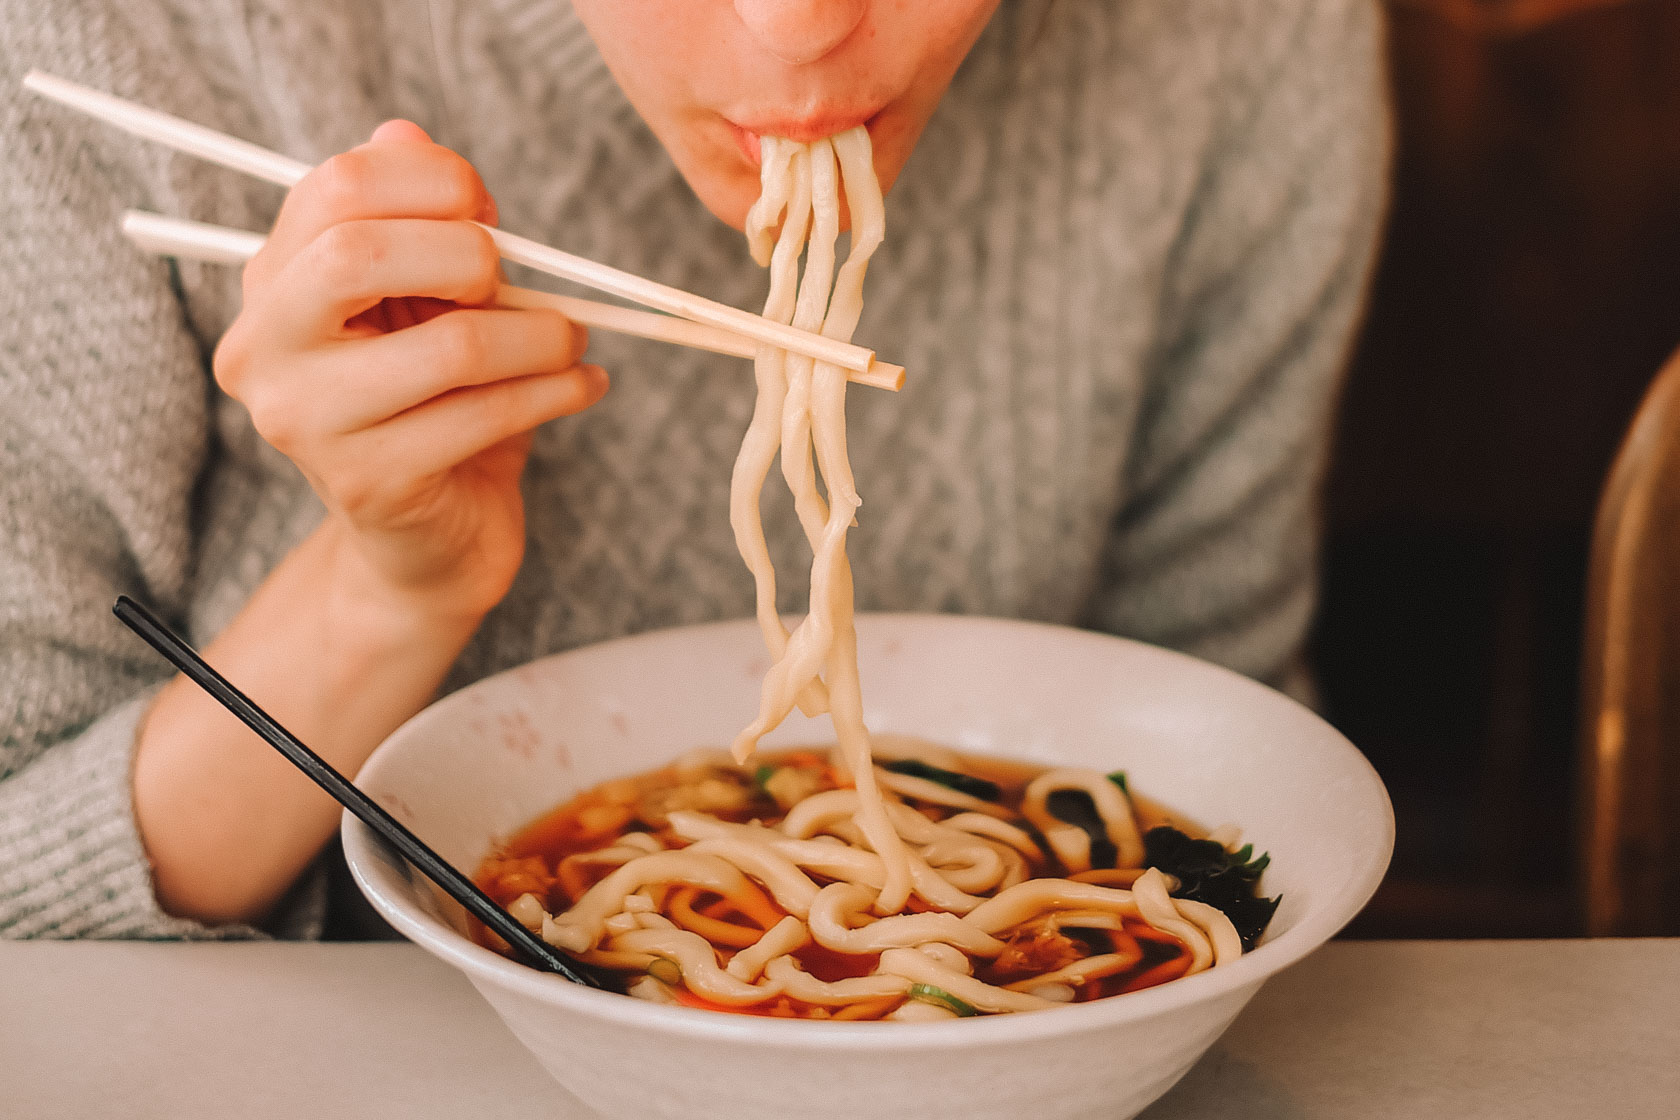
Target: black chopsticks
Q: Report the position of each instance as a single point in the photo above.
(480, 905)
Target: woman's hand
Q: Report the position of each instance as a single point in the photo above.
(367, 355)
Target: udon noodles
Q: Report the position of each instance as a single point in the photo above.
(822, 884)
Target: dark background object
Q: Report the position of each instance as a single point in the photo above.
(1528, 293)
(1630, 681)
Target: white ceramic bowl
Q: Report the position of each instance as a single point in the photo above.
(482, 762)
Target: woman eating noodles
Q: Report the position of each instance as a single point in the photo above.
(1128, 245)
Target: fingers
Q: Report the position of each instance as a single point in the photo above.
(347, 356)
(399, 173)
(358, 385)
(448, 430)
(465, 348)
(354, 265)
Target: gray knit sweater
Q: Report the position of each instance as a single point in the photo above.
(1123, 268)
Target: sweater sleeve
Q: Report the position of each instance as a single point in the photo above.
(104, 429)
(1215, 550)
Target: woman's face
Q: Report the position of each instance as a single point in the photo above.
(712, 76)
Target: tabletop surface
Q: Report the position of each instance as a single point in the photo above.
(277, 1031)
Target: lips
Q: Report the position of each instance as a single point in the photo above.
(748, 142)
(801, 129)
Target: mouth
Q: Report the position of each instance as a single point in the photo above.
(802, 129)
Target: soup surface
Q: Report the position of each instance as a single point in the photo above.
(749, 888)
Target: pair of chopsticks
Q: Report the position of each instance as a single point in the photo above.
(743, 329)
(177, 237)
(538, 953)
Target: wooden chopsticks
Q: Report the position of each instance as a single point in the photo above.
(241, 155)
(177, 237)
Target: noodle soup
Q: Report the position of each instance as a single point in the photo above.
(821, 884)
(750, 888)
(476, 768)
(825, 883)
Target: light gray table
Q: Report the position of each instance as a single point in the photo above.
(1373, 1030)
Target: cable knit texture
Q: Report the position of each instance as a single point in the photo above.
(1122, 267)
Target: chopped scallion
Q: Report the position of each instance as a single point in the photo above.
(939, 997)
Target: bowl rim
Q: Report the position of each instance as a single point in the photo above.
(365, 855)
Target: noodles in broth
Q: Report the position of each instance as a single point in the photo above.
(825, 884)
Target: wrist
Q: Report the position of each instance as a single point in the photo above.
(366, 606)
(337, 655)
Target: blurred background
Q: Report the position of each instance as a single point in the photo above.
(1528, 294)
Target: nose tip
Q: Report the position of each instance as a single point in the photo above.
(800, 31)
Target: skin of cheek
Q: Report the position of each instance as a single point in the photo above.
(690, 67)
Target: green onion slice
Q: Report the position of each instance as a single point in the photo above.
(939, 997)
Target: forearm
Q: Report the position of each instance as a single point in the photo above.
(228, 824)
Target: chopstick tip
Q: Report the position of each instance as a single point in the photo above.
(885, 375)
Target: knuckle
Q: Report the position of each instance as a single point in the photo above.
(485, 258)
(231, 358)
(255, 277)
(276, 420)
(345, 255)
(343, 183)
(461, 190)
(462, 344)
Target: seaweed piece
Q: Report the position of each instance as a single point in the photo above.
(1206, 872)
(1078, 808)
(951, 779)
